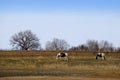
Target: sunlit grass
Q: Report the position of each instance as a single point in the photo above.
(44, 63)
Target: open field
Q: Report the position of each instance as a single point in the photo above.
(43, 63)
(54, 78)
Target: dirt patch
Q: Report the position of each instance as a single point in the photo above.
(42, 73)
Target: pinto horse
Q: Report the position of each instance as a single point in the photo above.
(62, 56)
(100, 55)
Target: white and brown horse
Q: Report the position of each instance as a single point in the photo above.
(100, 55)
(62, 56)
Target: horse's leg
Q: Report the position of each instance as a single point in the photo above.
(66, 58)
(104, 58)
(96, 57)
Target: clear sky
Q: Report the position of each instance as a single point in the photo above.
(75, 21)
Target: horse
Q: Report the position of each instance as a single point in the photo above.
(62, 56)
(100, 55)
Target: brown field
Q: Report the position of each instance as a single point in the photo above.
(42, 65)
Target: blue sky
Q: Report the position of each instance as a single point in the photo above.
(76, 21)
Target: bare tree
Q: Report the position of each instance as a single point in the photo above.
(25, 40)
(118, 49)
(105, 46)
(57, 44)
(92, 45)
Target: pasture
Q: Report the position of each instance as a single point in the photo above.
(42, 65)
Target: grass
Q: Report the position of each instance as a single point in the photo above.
(43, 63)
(54, 78)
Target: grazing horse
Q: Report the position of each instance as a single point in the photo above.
(101, 55)
(62, 56)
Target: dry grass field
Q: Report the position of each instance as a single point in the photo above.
(42, 65)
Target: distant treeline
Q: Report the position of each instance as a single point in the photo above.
(26, 40)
